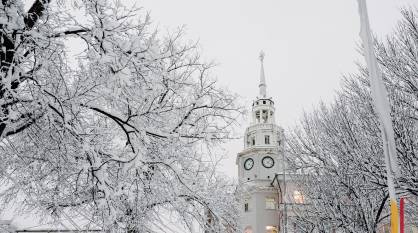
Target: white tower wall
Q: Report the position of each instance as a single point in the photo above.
(258, 164)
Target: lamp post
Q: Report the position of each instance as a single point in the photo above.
(284, 196)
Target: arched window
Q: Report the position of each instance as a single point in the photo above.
(264, 116)
(298, 197)
(248, 229)
(272, 229)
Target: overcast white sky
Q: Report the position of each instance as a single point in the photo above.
(308, 45)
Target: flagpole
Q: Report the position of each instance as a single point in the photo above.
(285, 192)
(382, 108)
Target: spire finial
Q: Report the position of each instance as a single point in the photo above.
(262, 54)
(262, 84)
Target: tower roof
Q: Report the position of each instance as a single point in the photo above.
(262, 86)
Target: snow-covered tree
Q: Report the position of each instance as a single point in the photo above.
(339, 145)
(342, 185)
(399, 60)
(103, 116)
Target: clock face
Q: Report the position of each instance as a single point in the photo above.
(267, 162)
(248, 164)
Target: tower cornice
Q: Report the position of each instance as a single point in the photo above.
(259, 150)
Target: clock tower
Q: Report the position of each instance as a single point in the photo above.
(259, 164)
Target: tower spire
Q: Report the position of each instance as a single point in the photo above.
(262, 86)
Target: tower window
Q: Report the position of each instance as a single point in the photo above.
(246, 207)
(267, 139)
(257, 116)
(270, 203)
(253, 141)
(264, 102)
